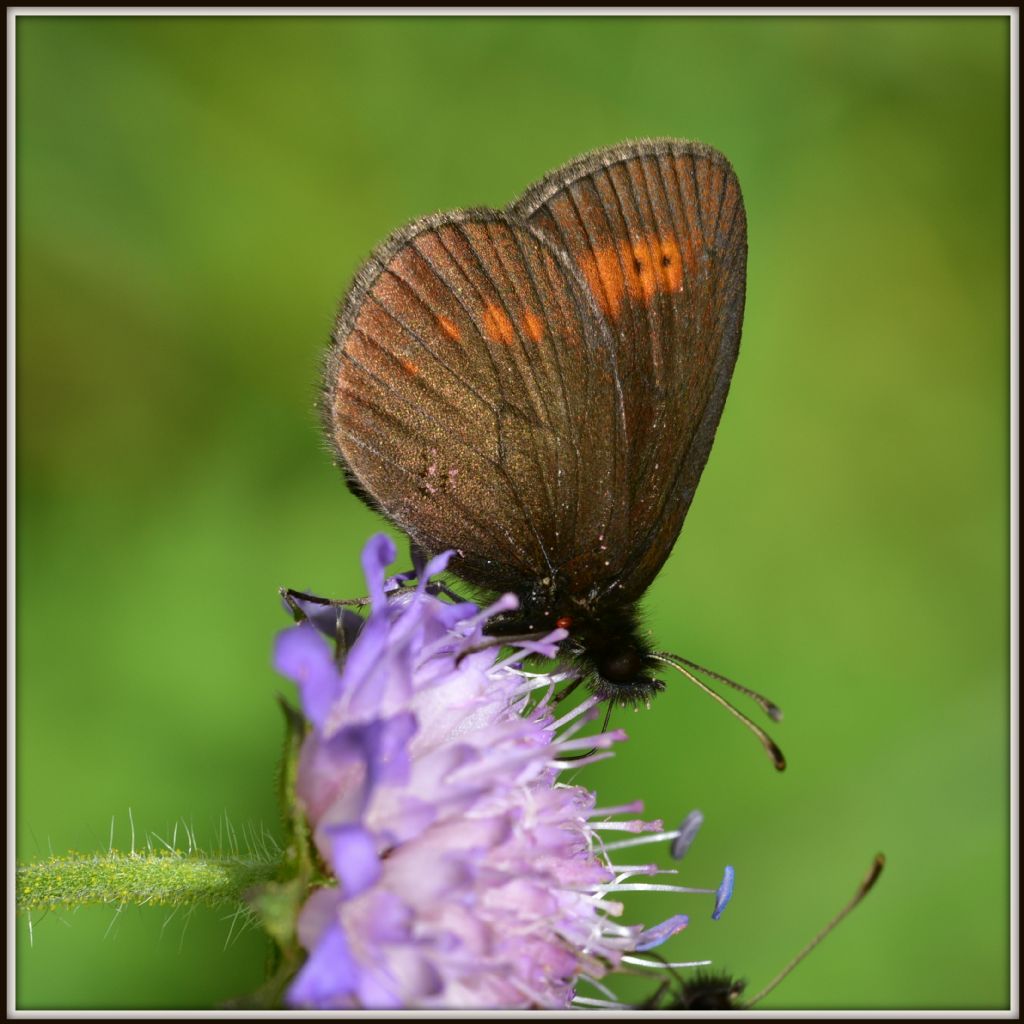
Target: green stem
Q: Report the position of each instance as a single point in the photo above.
(166, 879)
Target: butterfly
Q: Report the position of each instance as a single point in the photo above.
(538, 388)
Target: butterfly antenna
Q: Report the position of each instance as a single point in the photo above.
(766, 741)
(862, 891)
(770, 708)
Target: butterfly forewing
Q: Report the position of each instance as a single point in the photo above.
(471, 389)
(658, 232)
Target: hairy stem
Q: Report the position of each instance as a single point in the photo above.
(167, 879)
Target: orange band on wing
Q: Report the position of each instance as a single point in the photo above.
(603, 271)
(655, 263)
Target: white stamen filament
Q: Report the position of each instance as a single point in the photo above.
(525, 688)
(601, 739)
(641, 962)
(543, 678)
(636, 807)
(621, 844)
(526, 648)
(651, 887)
(603, 989)
(580, 709)
(617, 826)
(643, 870)
(574, 728)
(610, 928)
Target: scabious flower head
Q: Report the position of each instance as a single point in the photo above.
(467, 875)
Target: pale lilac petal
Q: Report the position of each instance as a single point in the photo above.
(302, 655)
(362, 663)
(378, 554)
(380, 746)
(653, 937)
(378, 990)
(353, 857)
(391, 920)
(319, 912)
(436, 565)
(330, 976)
(387, 748)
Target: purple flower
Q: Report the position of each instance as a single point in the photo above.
(467, 875)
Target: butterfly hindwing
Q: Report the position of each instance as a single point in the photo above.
(657, 230)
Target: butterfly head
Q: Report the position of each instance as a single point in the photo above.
(617, 656)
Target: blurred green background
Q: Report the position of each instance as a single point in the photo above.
(193, 196)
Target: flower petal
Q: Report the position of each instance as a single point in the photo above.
(660, 933)
(301, 654)
(353, 857)
(378, 554)
(436, 565)
(329, 977)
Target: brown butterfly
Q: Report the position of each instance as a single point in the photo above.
(539, 387)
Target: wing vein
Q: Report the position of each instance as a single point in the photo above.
(514, 491)
(484, 530)
(531, 356)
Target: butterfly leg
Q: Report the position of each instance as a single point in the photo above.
(419, 560)
(292, 598)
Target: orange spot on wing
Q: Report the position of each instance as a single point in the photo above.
(498, 326)
(641, 275)
(603, 272)
(671, 263)
(534, 327)
(449, 328)
(410, 367)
